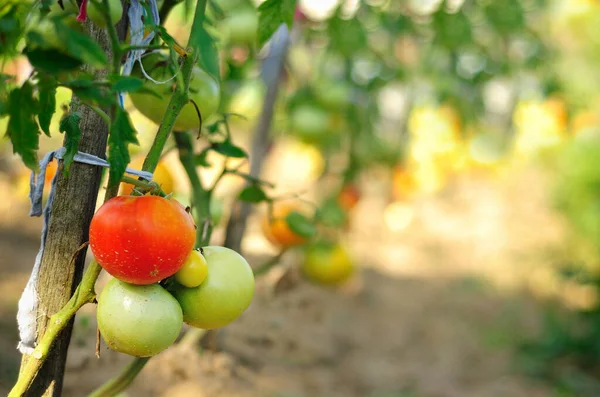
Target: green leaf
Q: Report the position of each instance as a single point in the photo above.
(347, 36)
(126, 84)
(452, 30)
(80, 46)
(200, 159)
(300, 224)
(22, 128)
(229, 150)
(47, 95)
(88, 90)
(121, 135)
(70, 126)
(272, 13)
(506, 16)
(253, 194)
(208, 55)
(51, 61)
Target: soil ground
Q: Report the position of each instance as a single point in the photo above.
(437, 309)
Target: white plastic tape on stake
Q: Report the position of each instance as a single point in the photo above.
(27, 313)
(136, 14)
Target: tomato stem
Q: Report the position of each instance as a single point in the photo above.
(85, 293)
(121, 381)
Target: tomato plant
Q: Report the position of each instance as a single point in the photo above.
(139, 320)
(141, 240)
(161, 175)
(194, 270)
(204, 91)
(223, 296)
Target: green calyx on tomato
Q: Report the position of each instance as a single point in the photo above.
(223, 296)
(194, 270)
(94, 12)
(142, 240)
(204, 91)
(139, 320)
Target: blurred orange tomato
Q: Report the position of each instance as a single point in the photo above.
(348, 197)
(403, 183)
(276, 229)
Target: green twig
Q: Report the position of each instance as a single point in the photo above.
(121, 381)
(100, 113)
(265, 267)
(200, 196)
(85, 293)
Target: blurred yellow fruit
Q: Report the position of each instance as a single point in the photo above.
(327, 264)
(162, 176)
(539, 125)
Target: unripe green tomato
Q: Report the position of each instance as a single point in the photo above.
(204, 91)
(95, 14)
(139, 320)
(69, 7)
(194, 270)
(223, 296)
(241, 27)
(310, 122)
(334, 95)
(46, 28)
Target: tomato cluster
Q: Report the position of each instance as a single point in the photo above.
(144, 240)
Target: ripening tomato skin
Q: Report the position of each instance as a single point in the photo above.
(139, 320)
(194, 270)
(276, 229)
(327, 264)
(223, 296)
(349, 196)
(141, 240)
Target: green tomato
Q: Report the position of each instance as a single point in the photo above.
(194, 270)
(223, 296)
(241, 27)
(95, 14)
(248, 99)
(70, 7)
(310, 122)
(45, 25)
(334, 95)
(139, 320)
(204, 91)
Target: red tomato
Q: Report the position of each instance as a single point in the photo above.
(142, 240)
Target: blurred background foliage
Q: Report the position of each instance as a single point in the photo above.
(426, 90)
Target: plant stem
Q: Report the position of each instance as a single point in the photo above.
(200, 196)
(121, 381)
(146, 186)
(265, 267)
(84, 293)
(114, 39)
(100, 113)
(177, 102)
